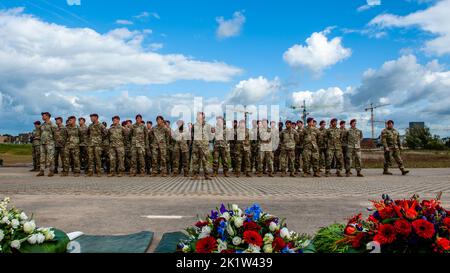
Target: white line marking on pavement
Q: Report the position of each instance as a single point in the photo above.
(162, 216)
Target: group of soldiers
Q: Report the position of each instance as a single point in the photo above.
(140, 148)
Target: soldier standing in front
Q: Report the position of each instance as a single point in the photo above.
(72, 148)
(392, 147)
(60, 142)
(116, 135)
(96, 131)
(200, 147)
(334, 143)
(354, 138)
(47, 145)
(36, 144)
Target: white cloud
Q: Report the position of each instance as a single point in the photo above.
(231, 27)
(330, 99)
(156, 46)
(254, 90)
(369, 4)
(318, 54)
(435, 20)
(74, 2)
(146, 14)
(124, 22)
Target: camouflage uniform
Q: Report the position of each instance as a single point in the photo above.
(200, 148)
(323, 150)
(266, 151)
(60, 140)
(345, 148)
(354, 137)
(139, 140)
(148, 154)
(47, 155)
(96, 131)
(391, 139)
(289, 139)
(72, 149)
(277, 153)
(116, 135)
(243, 150)
(255, 149)
(181, 151)
(160, 136)
(84, 147)
(310, 150)
(299, 150)
(233, 156)
(169, 152)
(36, 142)
(127, 145)
(334, 143)
(105, 153)
(221, 150)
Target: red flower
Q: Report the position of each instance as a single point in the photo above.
(356, 242)
(206, 245)
(423, 228)
(386, 234)
(443, 243)
(201, 224)
(278, 244)
(402, 227)
(373, 219)
(446, 222)
(387, 212)
(228, 251)
(349, 230)
(251, 226)
(253, 238)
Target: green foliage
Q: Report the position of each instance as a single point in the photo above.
(57, 245)
(421, 138)
(326, 239)
(15, 149)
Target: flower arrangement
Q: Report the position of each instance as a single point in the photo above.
(232, 230)
(18, 232)
(398, 226)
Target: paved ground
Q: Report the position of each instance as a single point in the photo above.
(125, 205)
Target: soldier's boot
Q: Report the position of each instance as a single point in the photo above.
(142, 174)
(154, 174)
(259, 174)
(89, 174)
(317, 174)
(215, 173)
(293, 174)
(111, 174)
(77, 174)
(404, 172)
(33, 170)
(351, 173)
(194, 176)
(225, 174)
(271, 174)
(51, 174)
(98, 173)
(64, 174)
(359, 174)
(305, 174)
(175, 174)
(283, 174)
(338, 174)
(186, 173)
(132, 174)
(120, 174)
(327, 173)
(55, 171)
(248, 174)
(207, 176)
(164, 174)
(238, 174)
(386, 172)
(40, 173)
(347, 173)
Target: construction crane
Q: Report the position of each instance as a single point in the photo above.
(372, 116)
(305, 111)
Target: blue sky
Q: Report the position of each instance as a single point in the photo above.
(355, 48)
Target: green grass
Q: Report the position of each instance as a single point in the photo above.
(15, 149)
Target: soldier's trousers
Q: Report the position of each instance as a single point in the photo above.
(233, 157)
(95, 158)
(180, 159)
(266, 157)
(105, 158)
(276, 160)
(354, 157)
(47, 157)
(298, 158)
(71, 155)
(59, 154)
(220, 153)
(392, 153)
(117, 159)
(169, 157)
(148, 160)
(36, 157)
(127, 160)
(345, 154)
(287, 160)
(159, 159)
(337, 155)
(200, 156)
(310, 160)
(242, 159)
(84, 158)
(137, 158)
(254, 157)
(323, 157)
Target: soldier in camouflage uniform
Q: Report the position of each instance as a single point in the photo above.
(255, 146)
(181, 137)
(221, 149)
(36, 144)
(105, 151)
(233, 141)
(169, 153)
(47, 145)
(310, 149)
(299, 147)
(322, 143)
(277, 153)
(160, 136)
(243, 149)
(60, 141)
(148, 150)
(83, 144)
(139, 140)
(266, 148)
(72, 148)
(96, 131)
(288, 138)
(127, 143)
(334, 142)
(354, 137)
(200, 147)
(116, 135)
(392, 147)
(344, 145)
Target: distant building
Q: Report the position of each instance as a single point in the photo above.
(4, 139)
(420, 125)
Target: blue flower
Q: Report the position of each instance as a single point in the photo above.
(254, 211)
(214, 215)
(223, 209)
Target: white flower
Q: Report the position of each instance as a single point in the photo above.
(5, 220)
(221, 245)
(15, 223)
(253, 249)
(2, 235)
(206, 230)
(235, 207)
(268, 248)
(226, 215)
(40, 238)
(237, 241)
(29, 227)
(186, 249)
(273, 226)
(230, 229)
(49, 235)
(23, 216)
(268, 238)
(285, 234)
(32, 239)
(238, 222)
(15, 244)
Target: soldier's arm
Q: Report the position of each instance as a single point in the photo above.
(384, 140)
